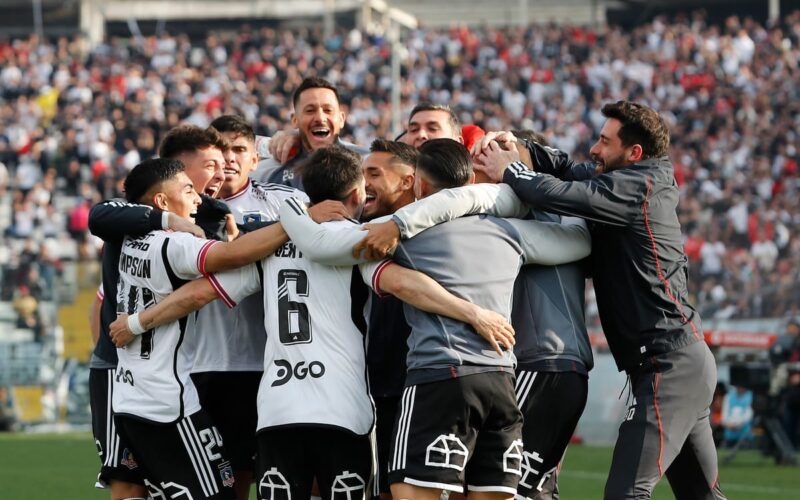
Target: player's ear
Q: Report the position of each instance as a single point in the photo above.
(635, 153)
(161, 202)
(471, 178)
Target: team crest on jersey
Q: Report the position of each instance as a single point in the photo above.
(128, 460)
(252, 216)
(226, 474)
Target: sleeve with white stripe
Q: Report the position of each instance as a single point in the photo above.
(448, 204)
(233, 286)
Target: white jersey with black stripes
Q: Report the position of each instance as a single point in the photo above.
(152, 379)
(233, 340)
(314, 362)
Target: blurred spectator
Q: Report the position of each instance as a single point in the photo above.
(785, 385)
(27, 308)
(737, 415)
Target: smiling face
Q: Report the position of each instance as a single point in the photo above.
(240, 160)
(205, 168)
(389, 185)
(178, 195)
(608, 152)
(430, 124)
(318, 118)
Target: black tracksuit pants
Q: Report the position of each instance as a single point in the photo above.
(667, 430)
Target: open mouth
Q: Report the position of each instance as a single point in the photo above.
(370, 200)
(211, 190)
(230, 171)
(321, 132)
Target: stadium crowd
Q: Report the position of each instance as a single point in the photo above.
(73, 122)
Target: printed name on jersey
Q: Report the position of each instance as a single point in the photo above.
(139, 268)
(315, 369)
(288, 250)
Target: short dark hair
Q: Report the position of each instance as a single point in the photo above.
(313, 82)
(405, 154)
(149, 173)
(446, 162)
(530, 135)
(189, 138)
(330, 173)
(429, 106)
(640, 125)
(236, 125)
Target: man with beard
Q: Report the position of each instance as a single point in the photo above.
(389, 175)
(319, 120)
(629, 195)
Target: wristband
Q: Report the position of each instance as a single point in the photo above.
(134, 325)
(165, 220)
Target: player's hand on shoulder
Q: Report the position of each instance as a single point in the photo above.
(328, 210)
(119, 332)
(494, 328)
(381, 240)
(284, 145)
(182, 225)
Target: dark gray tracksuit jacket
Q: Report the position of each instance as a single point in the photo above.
(637, 262)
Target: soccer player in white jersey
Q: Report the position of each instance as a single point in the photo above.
(315, 413)
(229, 343)
(154, 400)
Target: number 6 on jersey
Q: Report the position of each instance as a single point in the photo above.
(293, 321)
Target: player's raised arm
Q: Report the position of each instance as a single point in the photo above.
(229, 286)
(448, 204)
(553, 243)
(424, 293)
(318, 243)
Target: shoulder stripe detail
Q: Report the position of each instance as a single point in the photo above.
(201, 255)
(376, 277)
(294, 204)
(271, 186)
(221, 293)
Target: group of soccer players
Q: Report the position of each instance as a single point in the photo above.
(318, 372)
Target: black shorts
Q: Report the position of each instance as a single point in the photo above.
(385, 417)
(289, 458)
(551, 405)
(185, 458)
(459, 431)
(229, 398)
(116, 459)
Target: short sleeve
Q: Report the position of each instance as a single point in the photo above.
(187, 255)
(233, 286)
(371, 274)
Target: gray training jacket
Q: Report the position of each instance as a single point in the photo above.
(548, 313)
